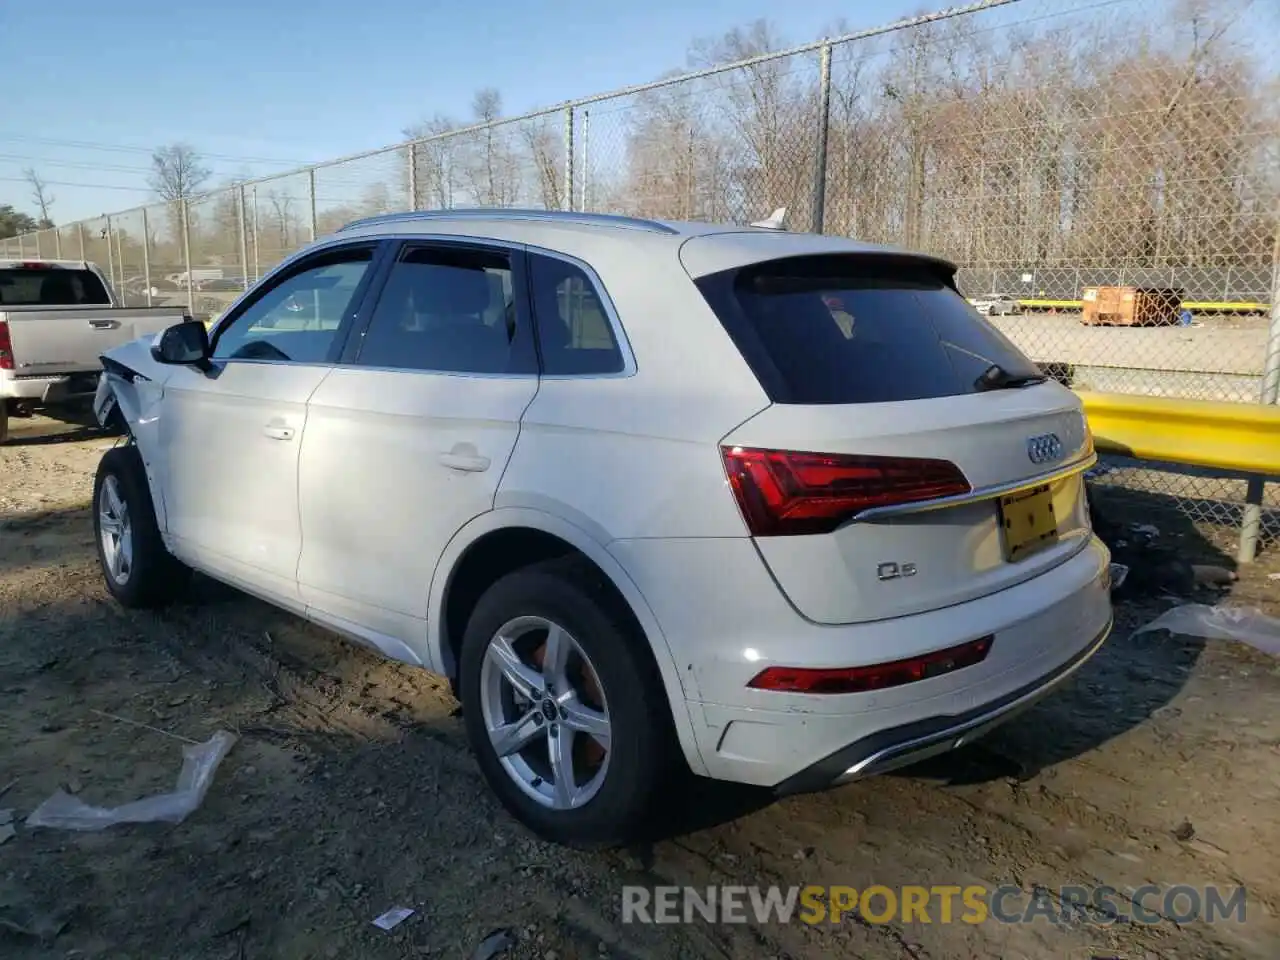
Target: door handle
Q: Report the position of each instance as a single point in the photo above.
(104, 324)
(278, 431)
(465, 462)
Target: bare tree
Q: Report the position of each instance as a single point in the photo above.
(282, 207)
(436, 161)
(772, 115)
(40, 196)
(491, 171)
(177, 171)
(547, 153)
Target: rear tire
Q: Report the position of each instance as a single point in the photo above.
(608, 691)
(4, 420)
(137, 568)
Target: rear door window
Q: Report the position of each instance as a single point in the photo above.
(858, 329)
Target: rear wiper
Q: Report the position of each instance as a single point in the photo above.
(996, 377)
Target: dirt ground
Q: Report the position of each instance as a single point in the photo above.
(351, 790)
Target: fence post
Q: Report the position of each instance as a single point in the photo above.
(413, 175)
(1251, 524)
(244, 238)
(311, 196)
(39, 252)
(567, 202)
(146, 254)
(119, 257)
(586, 160)
(257, 269)
(111, 254)
(80, 233)
(820, 147)
(57, 243)
(186, 254)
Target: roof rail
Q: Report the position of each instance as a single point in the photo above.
(509, 213)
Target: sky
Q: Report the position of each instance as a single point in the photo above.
(264, 86)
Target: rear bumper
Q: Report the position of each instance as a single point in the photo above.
(724, 620)
(66, 388)
(912, 742)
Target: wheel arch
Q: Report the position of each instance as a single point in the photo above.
(519, 536)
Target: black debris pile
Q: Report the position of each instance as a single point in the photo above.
(1154, 568)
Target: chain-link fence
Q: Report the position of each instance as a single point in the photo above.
(1048, 147)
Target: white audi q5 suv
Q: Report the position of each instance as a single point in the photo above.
(778, 507)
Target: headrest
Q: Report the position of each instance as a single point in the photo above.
(462, 291)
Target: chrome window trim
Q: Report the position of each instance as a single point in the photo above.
(629, 365)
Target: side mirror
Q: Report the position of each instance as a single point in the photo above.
(184, 344)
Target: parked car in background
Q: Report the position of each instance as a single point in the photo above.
(777, 507)
(221, 285)
(996, 305)
(56, 319)
(134, 289)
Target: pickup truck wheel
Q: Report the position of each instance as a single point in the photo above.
(564, 707)
(4, 421)
(138, 570)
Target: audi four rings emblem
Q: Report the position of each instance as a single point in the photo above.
(1045, 448)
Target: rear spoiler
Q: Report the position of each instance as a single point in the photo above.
(707, 254)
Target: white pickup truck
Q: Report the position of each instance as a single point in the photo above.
(57, 318)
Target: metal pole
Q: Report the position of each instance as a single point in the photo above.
(413, 176)
(586, 160)
(111, 259)
(186, 254)
(21, 245)
(820, 147)
(146, 254)
(120, 258)
(80, 232)
(311, 192)
(39, 252)
(257, 271)
(1251, 523)
(57, 243)
(568, 158)
(244, 239)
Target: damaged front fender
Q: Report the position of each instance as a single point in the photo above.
(131, 389)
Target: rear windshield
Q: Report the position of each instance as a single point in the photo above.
(50, 287)
(858, 329)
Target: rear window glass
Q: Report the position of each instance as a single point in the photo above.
(857, 329)
(50, 287)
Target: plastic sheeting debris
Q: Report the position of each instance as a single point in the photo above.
(1244, 624)
(392, 918)
(199, 763)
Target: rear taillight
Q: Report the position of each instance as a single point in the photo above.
(6, 347)
(876, 676)
(784, 493)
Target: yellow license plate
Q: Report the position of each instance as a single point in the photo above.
(1029, 522)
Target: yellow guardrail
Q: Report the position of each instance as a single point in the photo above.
(1235, 437)
(1204, 306)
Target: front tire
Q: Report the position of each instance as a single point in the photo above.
(564, 707)
(137, 568)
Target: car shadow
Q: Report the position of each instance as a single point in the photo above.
(62, 425)
(1130, 678)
